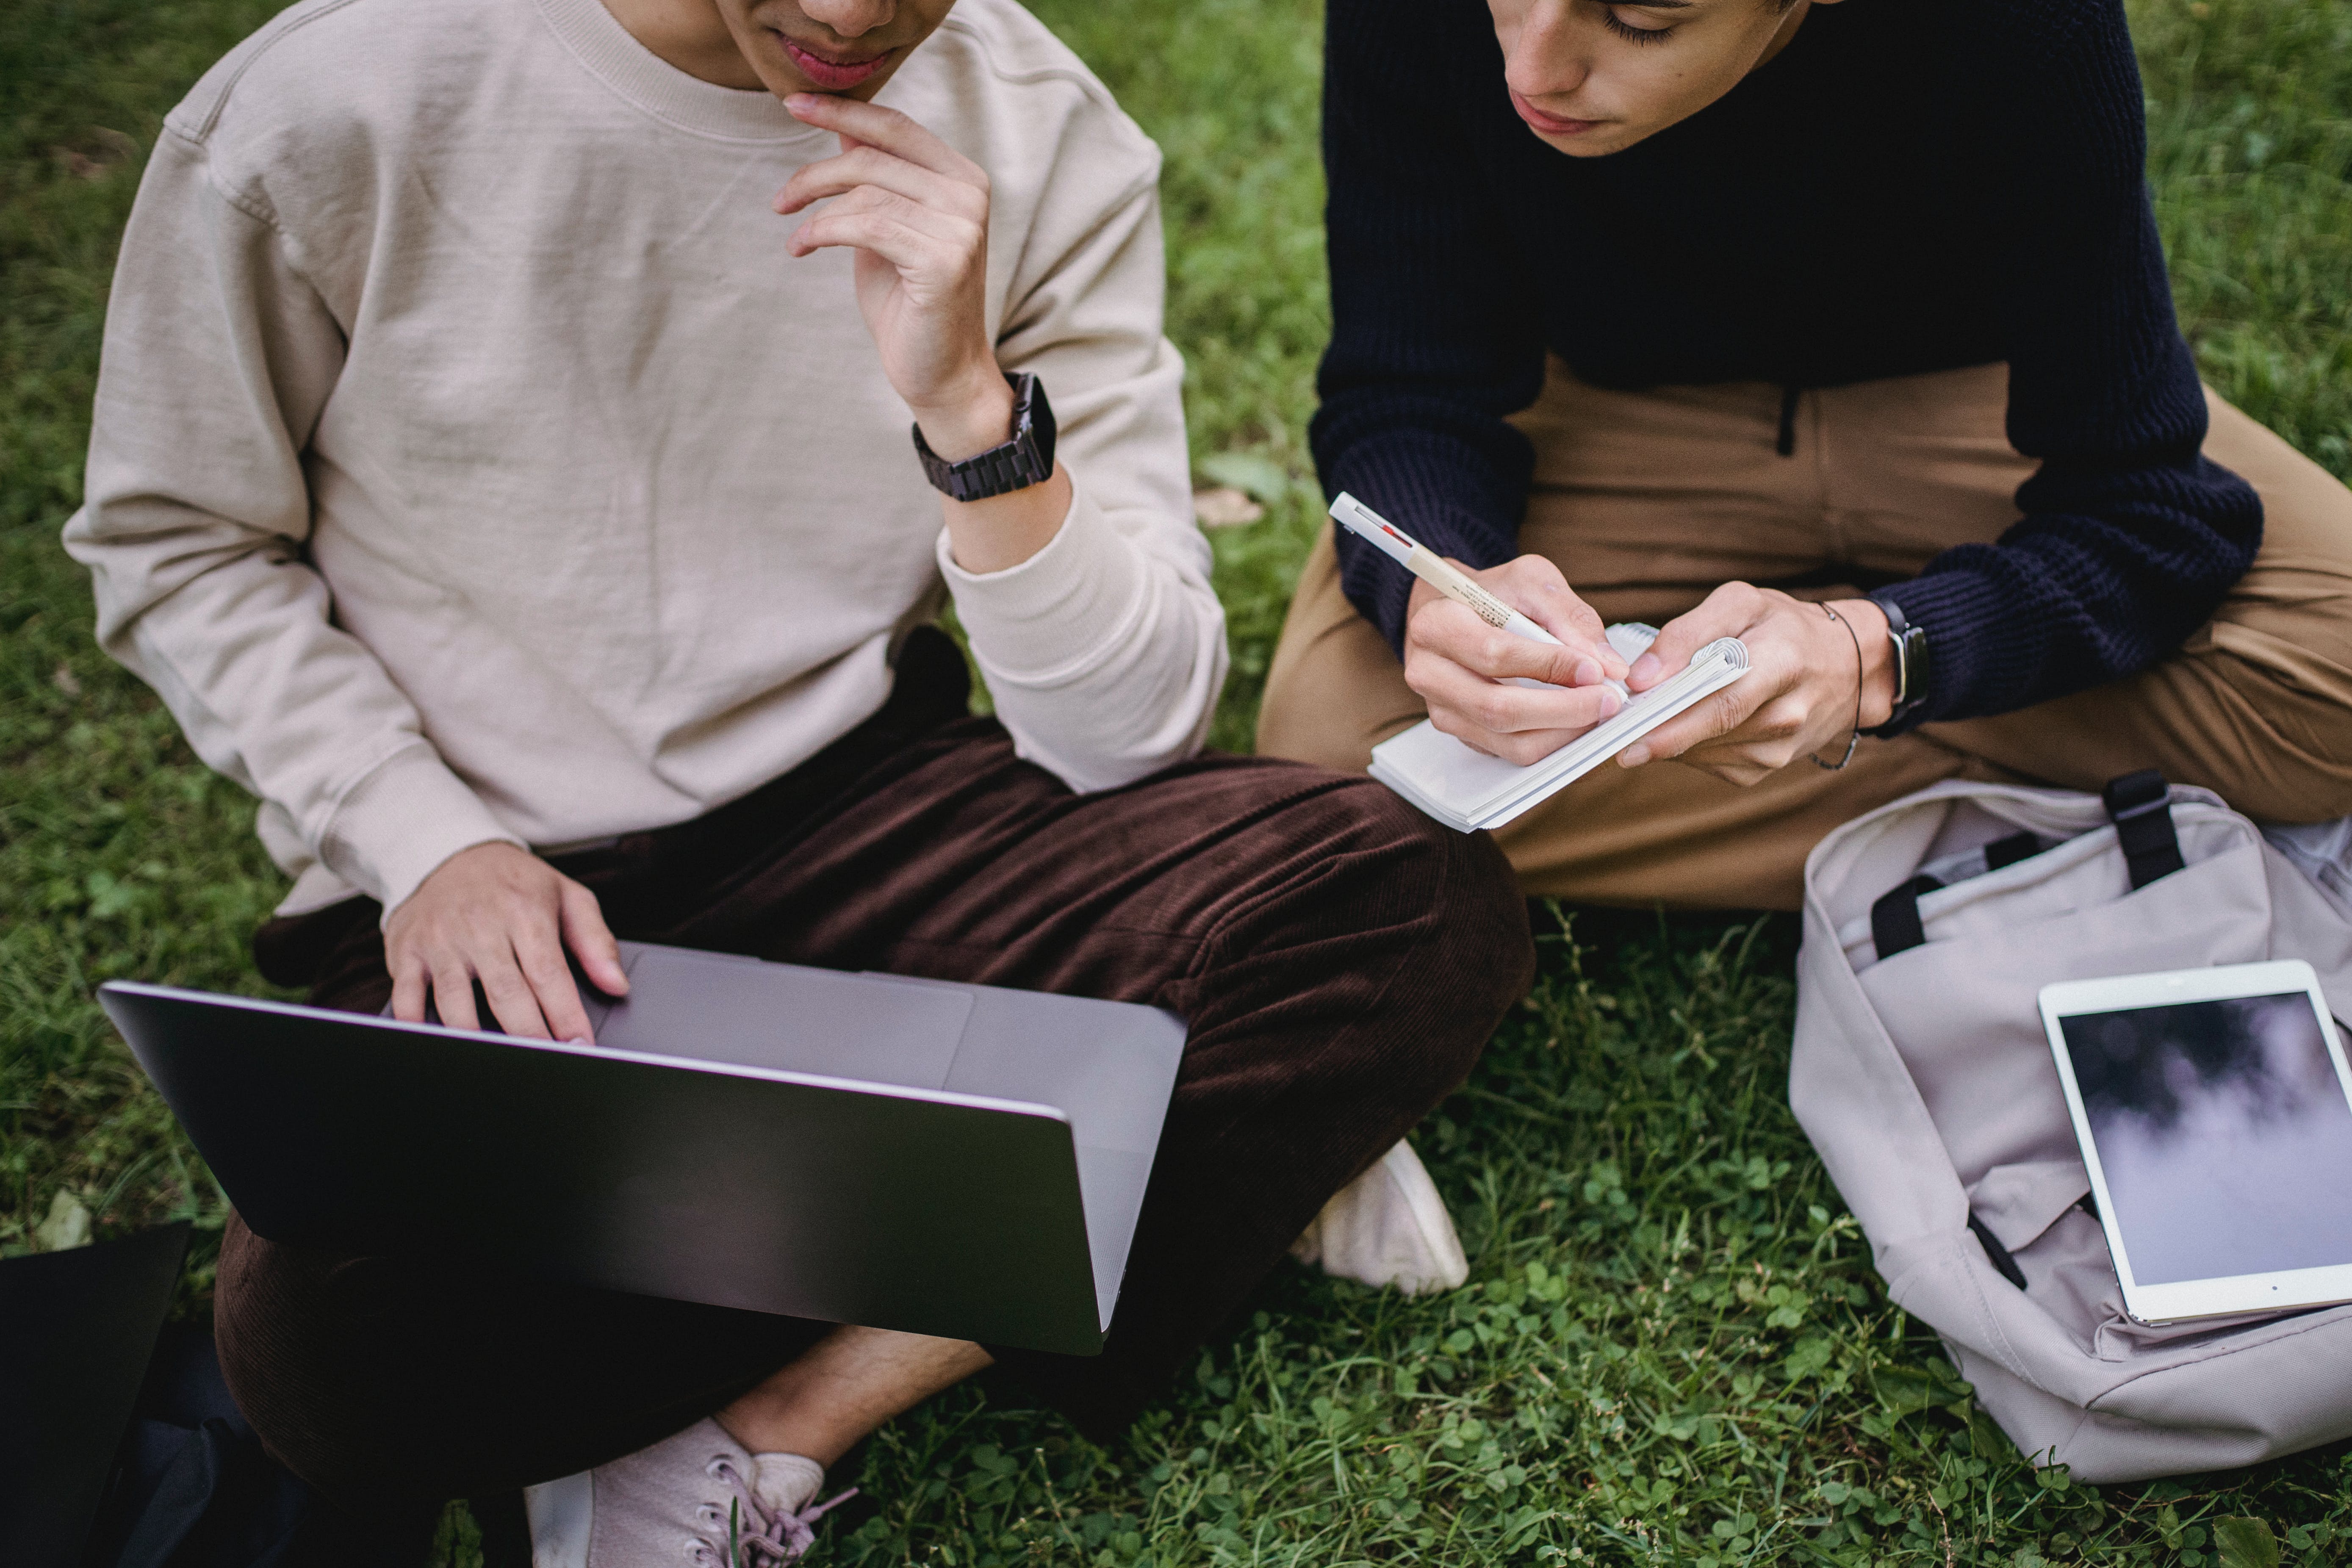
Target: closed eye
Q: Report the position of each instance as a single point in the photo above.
(1627, 30)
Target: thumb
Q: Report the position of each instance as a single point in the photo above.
(1685, 635)
(592, 941)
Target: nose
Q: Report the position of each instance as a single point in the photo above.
(849, 18)
(1547, 58)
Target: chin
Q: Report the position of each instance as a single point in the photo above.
(1613, 136)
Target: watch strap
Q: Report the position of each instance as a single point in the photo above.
(1025, 459)
(1911, 667)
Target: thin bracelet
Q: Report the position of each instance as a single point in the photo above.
(1855, 739)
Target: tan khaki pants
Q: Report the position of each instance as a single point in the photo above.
(1649, 501)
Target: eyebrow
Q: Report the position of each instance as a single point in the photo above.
(1661, 4)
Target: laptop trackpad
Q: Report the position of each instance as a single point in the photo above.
(721, 1009)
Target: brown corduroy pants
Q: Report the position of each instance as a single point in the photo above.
(1649, 501)
(1339, 960)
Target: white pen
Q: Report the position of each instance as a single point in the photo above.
(1435, 570)
(1432, 568)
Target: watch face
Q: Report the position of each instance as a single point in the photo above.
(1913, 669)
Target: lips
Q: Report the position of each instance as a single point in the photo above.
(834, 75)
(1550, 124)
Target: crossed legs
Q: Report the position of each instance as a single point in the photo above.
(1647, 500)
(844, 1386)
(1339, 962)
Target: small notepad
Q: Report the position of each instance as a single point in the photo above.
(1469, 790)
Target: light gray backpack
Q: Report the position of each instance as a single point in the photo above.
(1924, 1078)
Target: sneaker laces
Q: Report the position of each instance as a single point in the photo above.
(762, 1540)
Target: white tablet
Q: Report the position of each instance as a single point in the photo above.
(2214, 1111)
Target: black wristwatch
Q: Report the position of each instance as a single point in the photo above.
(1911, 666)
(1025, 460)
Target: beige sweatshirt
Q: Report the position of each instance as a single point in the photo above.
(471, 462)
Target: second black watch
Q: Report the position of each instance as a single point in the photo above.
(1911, 667)
(1015, 465)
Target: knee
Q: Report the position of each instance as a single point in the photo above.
(2287, 797)
(1482, 928)
(274, 1321)
(2289, 754)
(1469, 952)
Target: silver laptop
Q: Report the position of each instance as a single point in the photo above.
(955, 1160)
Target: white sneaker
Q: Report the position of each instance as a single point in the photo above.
(1388, 1226)
(787, 1483)
(679, 1504)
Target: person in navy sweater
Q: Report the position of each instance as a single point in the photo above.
(1840, 328)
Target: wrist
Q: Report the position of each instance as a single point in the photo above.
(1869, 624)
(971, 418)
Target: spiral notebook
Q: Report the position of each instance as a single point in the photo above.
(1469, 790)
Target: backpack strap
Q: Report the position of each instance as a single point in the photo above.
(2141, 807)
(1995, 1253)
(2022, 845)
(1894, 918)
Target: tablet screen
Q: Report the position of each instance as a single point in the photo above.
(2223, 1134)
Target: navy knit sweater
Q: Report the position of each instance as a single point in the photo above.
(1911, 185)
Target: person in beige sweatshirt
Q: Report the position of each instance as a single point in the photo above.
(502, 466)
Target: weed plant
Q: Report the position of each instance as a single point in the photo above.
(1671, 1348)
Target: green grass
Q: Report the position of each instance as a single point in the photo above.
(1673, 1348)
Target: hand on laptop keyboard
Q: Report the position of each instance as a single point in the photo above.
(497, 914)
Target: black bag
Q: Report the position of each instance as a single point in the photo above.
(120, 1445)
(192, 1487)
(121, 1448)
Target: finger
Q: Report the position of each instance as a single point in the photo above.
(1733, 768)
(591, 940)
(1770, 736)
(453, 991)
(539, 954)
(1503, 711)
(409, 989)
(1534, 585)
(511, 1002)
(1455, 633)
(905, 248)
(1448, 723)
(1742, 774)
(874, 126)
(1519, 748)
(950, 227)
(1572, 659)
(1717, 715)
(872, 166)
(1726, 613)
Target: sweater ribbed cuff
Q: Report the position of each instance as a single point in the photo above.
(1961, 611)
(1058, 614)
(1437, 489)
(395, 826)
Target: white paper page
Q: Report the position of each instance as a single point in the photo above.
(1465, 788)
(1413, 798)
(1710, 672)
(1441, 768)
